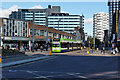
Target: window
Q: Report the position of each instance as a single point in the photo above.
(41, 32)
(30, 31)
(41, 11)
(64, 45)
(38, 32)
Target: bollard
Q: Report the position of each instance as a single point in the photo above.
(97, 49)
(50, 53)
(87, 52)
(81, 48)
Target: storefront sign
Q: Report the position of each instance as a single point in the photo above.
(16, 38)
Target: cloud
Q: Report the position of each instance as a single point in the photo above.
(89, 21)
(6, 12)
(64, 12)
(37, 7)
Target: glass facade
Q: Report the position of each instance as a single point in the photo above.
(16, 28)
(113, 6)
(118, 31)
(40, 14)
(66, 23)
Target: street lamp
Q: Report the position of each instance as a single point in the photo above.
(58, 28)
(33, 39)
(46, 30)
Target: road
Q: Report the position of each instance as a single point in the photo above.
(66, 66)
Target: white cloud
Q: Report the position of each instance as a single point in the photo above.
(89, 21)
(6, 12)
(37, 7)
(64, 12)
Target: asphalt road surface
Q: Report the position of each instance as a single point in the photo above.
(66, 66)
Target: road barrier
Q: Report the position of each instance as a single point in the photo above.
(87, 52)
(97, 49)
(81, 48)
(50, 53)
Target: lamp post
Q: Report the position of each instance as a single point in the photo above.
(46, 33)
(46, 30)
(58, 28)
(33, 39)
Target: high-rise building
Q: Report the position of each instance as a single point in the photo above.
(113, 6)
(115, 27)
(100, 24)
(51, 17)
(118, 24)
(65, 22)
(40, 14)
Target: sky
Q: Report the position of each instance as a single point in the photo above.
(88, 9)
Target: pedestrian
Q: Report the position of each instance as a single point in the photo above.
(113, 51)
(116, 50)
(103, 50)
(25, 47)
(41, 48)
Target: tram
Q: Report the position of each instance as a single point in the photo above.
(64, 45)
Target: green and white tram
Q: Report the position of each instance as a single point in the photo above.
(63, 45)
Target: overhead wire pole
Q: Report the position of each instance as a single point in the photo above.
(33, 39)
(58, 28)
(47, 31)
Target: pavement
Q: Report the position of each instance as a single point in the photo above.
(29, 57)
(84, 53)
(38, 55)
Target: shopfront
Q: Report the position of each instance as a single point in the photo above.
(15, 42)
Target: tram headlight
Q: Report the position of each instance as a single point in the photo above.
(58, 48)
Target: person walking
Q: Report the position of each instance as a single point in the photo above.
(41, 48)
(103, 50)
(116, 50)
(25, 47)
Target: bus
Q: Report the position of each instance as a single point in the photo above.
(64, 45)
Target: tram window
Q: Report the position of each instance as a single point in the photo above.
(70, 45)
(55, 45)
(74, 44)
(63, 45)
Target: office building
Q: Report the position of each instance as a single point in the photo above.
(40, 14)
(115, 27)
(100, 24)
(51, 17)
(113, 6)
(16, 33)
(118, 23)
(65, 22)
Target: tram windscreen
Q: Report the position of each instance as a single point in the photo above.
(55, 45)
